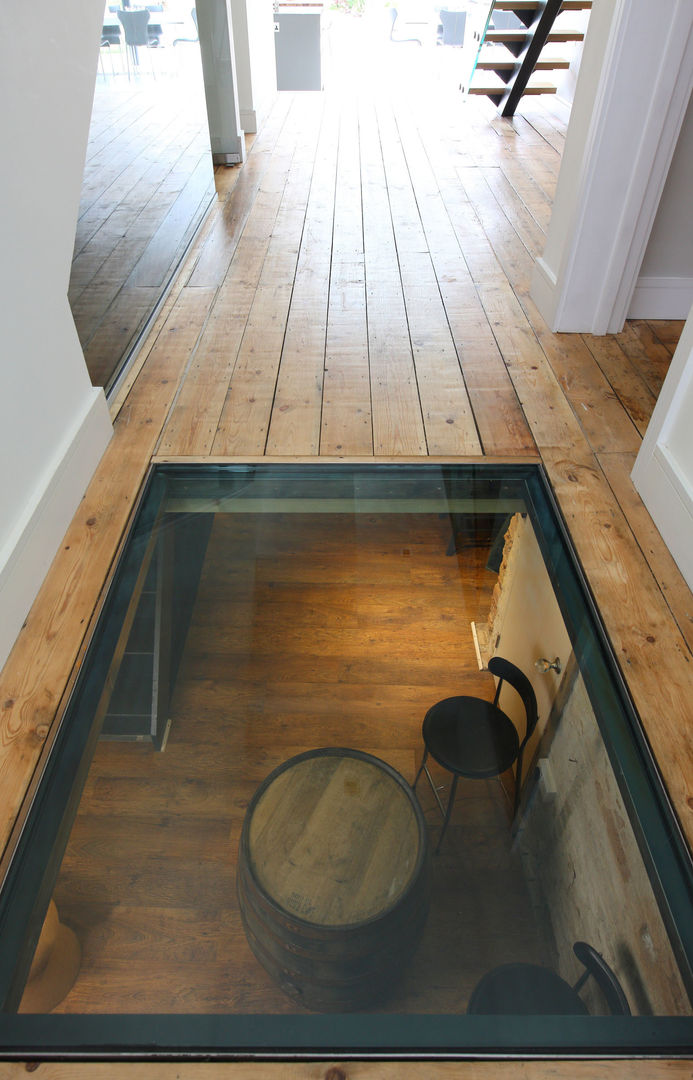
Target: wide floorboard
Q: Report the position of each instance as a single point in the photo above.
(363, 290)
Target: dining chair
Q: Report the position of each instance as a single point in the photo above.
(474, 738)
(135, 28)
(394, 36)
(531, 989)
(453, 24)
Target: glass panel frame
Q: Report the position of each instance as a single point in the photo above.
(28, 886)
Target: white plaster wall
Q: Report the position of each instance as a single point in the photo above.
(664, 289)
(48, 61)
(566, 81)
(256, 73)
(632, 93)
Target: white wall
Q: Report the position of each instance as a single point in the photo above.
(663, 472)
(256, 72)
(664, 289)
(632, 93)
(566, 81)
(53, 424)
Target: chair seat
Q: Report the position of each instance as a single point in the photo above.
(523, 990)
(470, 737)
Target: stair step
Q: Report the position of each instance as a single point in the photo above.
(532, 5)
(514, 36)
(566, 35)
(507, 35)
(498, 88)
(507, 65)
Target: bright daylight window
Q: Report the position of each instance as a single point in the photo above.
(226, 853)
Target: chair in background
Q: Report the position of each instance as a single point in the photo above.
(195, 40)
(529, 989)
(155, 31)
(110, 37)
(396, 39)
(453, 23)
(135, 28)
(474, 738)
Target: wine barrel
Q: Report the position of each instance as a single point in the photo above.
(333, 880)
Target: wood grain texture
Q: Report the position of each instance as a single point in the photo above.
(435, 223)
(353, 1070)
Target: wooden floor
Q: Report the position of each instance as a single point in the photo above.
(308, 630)
(361, 289)
(148, 180)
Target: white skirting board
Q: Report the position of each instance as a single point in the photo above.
(26, 558)
(662, 298)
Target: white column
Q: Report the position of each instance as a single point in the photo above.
(631, 97)
(215, 31)
(256, 69)
(54, 425)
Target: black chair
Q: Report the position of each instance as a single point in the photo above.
(474, 738)
(529, 989)
(110, 36)
(453, 23)
(136, 30)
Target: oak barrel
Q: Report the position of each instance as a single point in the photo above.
(333, 878)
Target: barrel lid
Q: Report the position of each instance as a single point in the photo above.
(334, 837)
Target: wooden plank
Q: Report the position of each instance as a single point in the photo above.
(165, 247)
(346, 408)
(448, 417)
(397, 422)
(605, 422)
(40, 663)
(245, 418)
(668, 331)
(126, 315)
(499, 419)
(296, 411)
(630, 388)
(650, 358)
(661, 1069)
(598, 410)
(617, 469)
(217, 253)
(645, 638)
(192, 425)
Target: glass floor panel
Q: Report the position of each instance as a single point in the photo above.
(226, 854)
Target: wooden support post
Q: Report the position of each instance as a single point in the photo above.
(219, 72)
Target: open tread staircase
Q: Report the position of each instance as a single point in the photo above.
(512, 55)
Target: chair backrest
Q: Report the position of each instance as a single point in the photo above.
(507, 672)
(135, 27)
(110, 35)
(453, 23)
(597, 967)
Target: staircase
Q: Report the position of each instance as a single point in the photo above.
(512, 55)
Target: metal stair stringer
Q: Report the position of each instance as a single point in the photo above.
(539, 21)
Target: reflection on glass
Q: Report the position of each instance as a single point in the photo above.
(148, 177)
(234, 830)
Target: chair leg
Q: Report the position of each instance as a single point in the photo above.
(421, 769)
(518, 781)
(448, 812)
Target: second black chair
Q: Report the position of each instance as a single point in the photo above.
(530, 989)
(474, 738)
